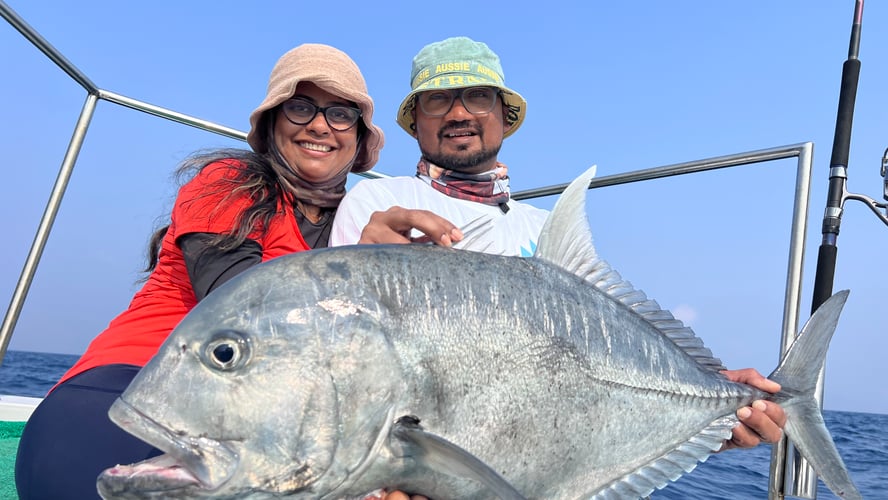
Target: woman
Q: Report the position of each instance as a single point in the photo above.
(240, 208)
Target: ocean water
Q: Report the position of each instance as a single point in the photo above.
(736, 474)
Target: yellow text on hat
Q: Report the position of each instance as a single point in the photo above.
(489, 72)
(452, 66)
(453, 81)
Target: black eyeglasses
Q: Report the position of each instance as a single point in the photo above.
(476, 100)
(300, 112)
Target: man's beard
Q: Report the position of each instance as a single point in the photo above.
(460, 163)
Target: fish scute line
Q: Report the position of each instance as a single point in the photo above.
(712, 398)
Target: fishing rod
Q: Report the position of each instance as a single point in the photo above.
(838, 167)
(838, 171)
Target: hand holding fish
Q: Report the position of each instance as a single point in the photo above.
(763, 421)
(395, 225)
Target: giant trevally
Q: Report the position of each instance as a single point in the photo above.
(331, 373)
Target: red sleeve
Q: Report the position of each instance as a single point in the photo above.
(206, 204)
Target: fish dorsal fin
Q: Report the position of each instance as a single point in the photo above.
(663, 470)
(566, 241)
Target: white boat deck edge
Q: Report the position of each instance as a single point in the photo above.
(17, 408)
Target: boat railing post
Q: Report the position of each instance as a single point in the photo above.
(789, 471)
(46, 222)
(61, 183)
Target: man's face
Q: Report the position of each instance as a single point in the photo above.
(460, 140)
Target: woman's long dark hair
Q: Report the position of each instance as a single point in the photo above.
(254, 176)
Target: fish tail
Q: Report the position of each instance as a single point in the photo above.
(798, 373)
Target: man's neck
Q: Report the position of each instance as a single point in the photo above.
(479, 168)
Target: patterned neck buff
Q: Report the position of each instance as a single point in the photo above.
(325, 195)
(490, 188)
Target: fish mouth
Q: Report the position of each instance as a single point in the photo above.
(196, 465)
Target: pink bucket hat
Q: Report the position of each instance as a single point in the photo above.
(330, 69)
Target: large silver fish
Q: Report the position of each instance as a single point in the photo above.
(331, 373)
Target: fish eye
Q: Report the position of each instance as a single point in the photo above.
(223, 353)
(226, 350)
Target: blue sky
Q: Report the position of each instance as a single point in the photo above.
(621, 85)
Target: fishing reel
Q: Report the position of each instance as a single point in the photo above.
(880, 209)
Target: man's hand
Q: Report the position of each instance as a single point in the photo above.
(763, 421)
(395, 225)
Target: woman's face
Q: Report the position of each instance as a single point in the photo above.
(315, 150)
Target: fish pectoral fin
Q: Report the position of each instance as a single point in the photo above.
(440, 455)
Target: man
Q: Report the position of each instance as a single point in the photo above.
(460, 110)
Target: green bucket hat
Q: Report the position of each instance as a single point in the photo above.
(455, 63)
